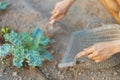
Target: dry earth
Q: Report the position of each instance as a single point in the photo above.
(24, 15)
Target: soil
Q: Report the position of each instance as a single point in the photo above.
(24, 15)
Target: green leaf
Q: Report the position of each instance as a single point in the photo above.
(42, 40)
(18, 61)
(47, 55)
(5, 49)
(13, 37)
(26, 47)
(7, 37)
(37, 47)
(37, 32)
(3, 6)
(4, 30)
(26, 38)
(34, 58)
(19, 56)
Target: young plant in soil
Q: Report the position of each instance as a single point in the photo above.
(26, 47)
(3, 6)
(3, 30)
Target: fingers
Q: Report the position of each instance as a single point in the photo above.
(79, 55)
(99, 58)
(56, 13)
(59, 17)
(85, 52)
(93, 55)
(89, 50)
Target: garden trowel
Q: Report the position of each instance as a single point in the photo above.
(50, 29)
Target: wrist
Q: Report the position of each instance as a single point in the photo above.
(70, 1)
(116, 46)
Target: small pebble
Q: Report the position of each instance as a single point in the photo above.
(14, 74)
(59, 72)
(45, 70)
(62, 77)
(52, 51)
(79, 73)
(1, 74)
(71, 69)
(5, 73)
(56, 64)
(47, 75)
(93, 78)
(118, 70)
(115, 73)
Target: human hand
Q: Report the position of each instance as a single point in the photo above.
(61, 9)
(100, 51)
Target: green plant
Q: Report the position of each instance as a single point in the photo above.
(3, 6)
(3, 30)
(26, 47)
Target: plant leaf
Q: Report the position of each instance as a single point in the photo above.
(37, 32)
(5, 49)
(13, 37)
(18, 61)
(19, 56)
(47, 55)
(3, 6)
(34, 58)
(26, 38)
(24, 46)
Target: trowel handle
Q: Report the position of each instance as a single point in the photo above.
(50, 26)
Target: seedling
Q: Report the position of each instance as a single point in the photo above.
(3, 6)
(26, 47)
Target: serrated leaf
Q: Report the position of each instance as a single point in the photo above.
(34, 58)
(42, 40)
(25, 46)
(3, 6)
(5, 49)
(19, 56)
(7, 37)
(37, 32)
(26, 38)
(18, 62)
(19, 51)
(47, 55)
(14, 38)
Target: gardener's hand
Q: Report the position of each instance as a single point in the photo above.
(101, 51)
(61, 9)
